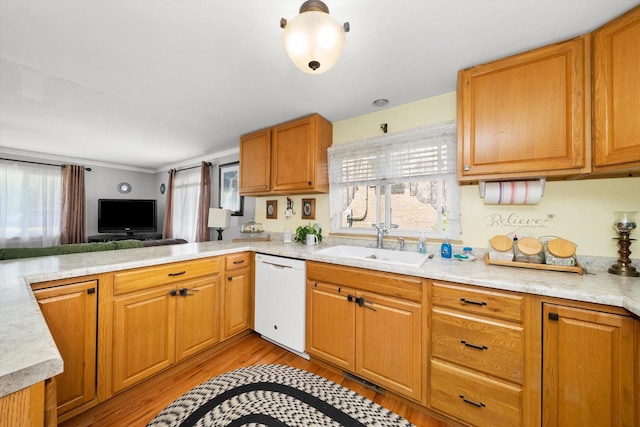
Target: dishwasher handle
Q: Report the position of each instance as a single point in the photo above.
(276, 265)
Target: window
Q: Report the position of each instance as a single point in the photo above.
(186, 192)
(404, 181)
(30, 200)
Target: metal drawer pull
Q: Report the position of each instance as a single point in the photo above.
(471, 402)
(177, 274)
(468, 301)
(185, 292)
(478, 347)
(361, 302)
(239, 262)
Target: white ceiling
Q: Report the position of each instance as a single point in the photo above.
(151, 84)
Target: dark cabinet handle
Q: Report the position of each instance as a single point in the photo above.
(361, 302)
(468, 301)
(477, 347)
(238, 262)
(173, 292)
(310, 183)
(177, 274)
(553, 316)
(91, 291)
(184, 292)
(471, 402)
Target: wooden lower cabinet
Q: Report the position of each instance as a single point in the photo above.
(331, 324)
(24, 408)
(588, 368)
(377, 337)
(478, 355)
(143, 335)
(71, 314)
(477, 399)
(237, 307)
(153, 329)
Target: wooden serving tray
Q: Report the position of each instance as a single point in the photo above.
(573, 269)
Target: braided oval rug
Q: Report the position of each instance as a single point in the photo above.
(274, 395)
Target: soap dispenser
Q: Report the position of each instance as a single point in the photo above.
(421, 244)
(445, 249)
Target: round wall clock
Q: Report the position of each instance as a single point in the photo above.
(124, 187)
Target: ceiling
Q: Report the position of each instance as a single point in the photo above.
(152, 84)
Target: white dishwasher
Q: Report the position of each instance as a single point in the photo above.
(280, 301)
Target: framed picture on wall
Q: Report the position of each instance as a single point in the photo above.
(229, 188)
(272, 209)
(308, 208)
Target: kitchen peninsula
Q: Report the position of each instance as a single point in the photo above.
(29, 355)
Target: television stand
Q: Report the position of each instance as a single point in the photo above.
(122, 236)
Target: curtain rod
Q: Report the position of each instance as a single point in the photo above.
(192, 167)
(38, 163)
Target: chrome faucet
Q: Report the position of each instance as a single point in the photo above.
(401, 241)
(382, 230)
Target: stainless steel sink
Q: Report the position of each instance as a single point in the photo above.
(387, 256)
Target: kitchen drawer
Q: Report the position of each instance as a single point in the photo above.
(487, 346)
(474, 399)
(235, 261)
(147, 277)
(501, 305)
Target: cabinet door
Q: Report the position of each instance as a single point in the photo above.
(293, 163)
(143, 334)
(616, 93)
(255, 162)
(237, 302)
(588, 368)
(526, 115)
(71, 314)
(389, 343)
(331, 324)
(197, 316)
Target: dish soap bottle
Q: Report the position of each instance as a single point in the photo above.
(421, 244)
(445, 249)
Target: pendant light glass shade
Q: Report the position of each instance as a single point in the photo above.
(314, 41)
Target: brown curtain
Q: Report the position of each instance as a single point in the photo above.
(73, 211)
(167, 229)
(202, 230)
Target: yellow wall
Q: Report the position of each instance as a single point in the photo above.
(580, 211)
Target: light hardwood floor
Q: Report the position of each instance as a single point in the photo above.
(137, 406)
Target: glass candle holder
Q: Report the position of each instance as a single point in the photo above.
(624, 223)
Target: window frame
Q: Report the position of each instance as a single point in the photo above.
(409, 147)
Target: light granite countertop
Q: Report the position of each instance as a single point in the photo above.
(28, 353)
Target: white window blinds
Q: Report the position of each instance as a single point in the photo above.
(425, 153)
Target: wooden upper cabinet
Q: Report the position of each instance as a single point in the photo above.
(299, 162)
(255, 162)
(616, 93)
(290, 158)
(527, 115)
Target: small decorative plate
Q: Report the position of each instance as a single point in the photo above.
(124, 187)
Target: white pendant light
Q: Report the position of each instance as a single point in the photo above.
(314, 39)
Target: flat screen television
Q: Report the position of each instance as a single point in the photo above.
(126, 216)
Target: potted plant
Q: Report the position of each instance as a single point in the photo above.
(303, 230)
